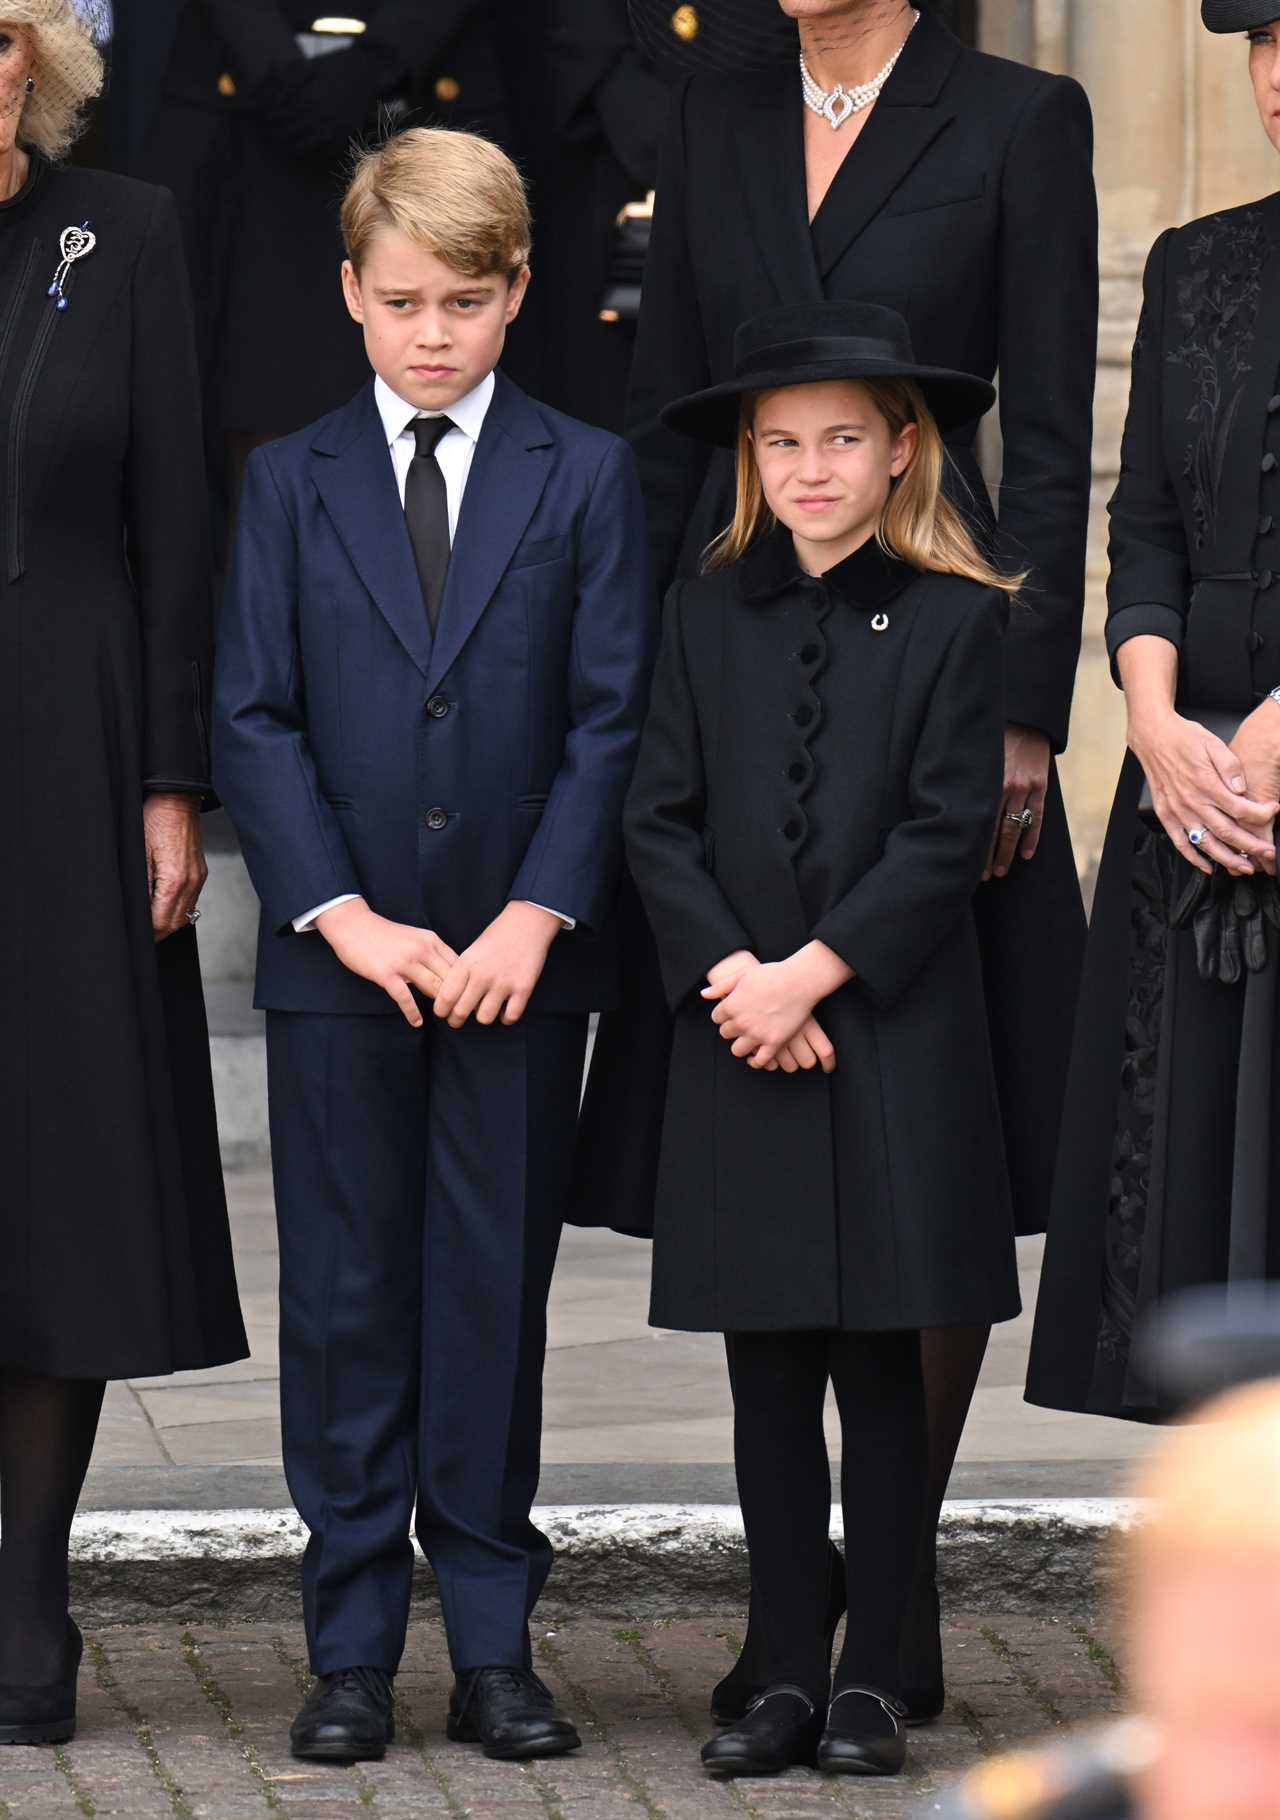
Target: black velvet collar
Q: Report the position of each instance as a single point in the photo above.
(868, 578)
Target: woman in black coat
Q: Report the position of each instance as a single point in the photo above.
(966, 202)
(116, 1245)
(1169, 1173)
(812, 803)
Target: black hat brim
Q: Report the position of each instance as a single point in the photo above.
(714, 415)
(1238, 15)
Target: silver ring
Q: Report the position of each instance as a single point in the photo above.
(1024, 820)
(193, 916)
(1197, 836)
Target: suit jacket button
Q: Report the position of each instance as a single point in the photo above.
(1265, 578)
(1268, 463)
(438, 707)
(1265, 524)
(437, 819)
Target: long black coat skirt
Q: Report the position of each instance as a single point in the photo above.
(1169, 1174)
(805, 776)
(117, 1256)
(967, 204)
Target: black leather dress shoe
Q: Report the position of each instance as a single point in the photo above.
(347, 1718)
(46, 1714)
(511, 1713)
(733, 1696)
(781, 1728)
(864, 1735)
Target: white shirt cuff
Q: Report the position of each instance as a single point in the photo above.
(305, 925)
(566, 922)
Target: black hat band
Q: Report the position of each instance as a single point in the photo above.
(823, 350)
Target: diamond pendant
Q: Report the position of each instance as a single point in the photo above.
(837, 107)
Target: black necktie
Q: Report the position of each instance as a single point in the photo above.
(426, 510)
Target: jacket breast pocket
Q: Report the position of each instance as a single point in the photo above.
(967, 189)
(539, 550)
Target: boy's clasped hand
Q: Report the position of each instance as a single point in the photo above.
(765, 1008)
(492, 980)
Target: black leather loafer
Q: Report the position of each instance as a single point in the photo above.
(733, 1696)
(864, 1735)
(511, 1713)
(47, 1714)
(781, 1728)
(347, 1718)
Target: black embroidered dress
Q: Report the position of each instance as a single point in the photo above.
(1169, 1170)
(117, 1258)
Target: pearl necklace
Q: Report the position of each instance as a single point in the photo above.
(836, 105)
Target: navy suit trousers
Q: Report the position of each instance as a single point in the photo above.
(421, 1179)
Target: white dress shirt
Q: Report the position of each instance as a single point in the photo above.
(455, 452)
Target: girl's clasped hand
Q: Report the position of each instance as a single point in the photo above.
(765, 1009)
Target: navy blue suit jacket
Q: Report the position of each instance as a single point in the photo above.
(438, 778)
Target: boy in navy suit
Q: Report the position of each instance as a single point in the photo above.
(432, 674)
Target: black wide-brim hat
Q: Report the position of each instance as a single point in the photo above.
(1238, 15)
(808, 343)
(732, 37)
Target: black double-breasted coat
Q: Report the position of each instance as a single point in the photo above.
(117, 1256)
(822, 760)
(967, 204)
(1169, 1173)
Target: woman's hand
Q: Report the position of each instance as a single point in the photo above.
(1026, 784)
(1257, 746)
(176, 870)
(1198, 781)
(811, 1047)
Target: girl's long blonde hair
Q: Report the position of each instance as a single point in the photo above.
(919, 523)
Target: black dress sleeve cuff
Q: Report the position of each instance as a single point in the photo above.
(1143, 619)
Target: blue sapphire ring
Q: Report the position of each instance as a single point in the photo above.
(1197, 836)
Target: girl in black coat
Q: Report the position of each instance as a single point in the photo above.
(963, 198)
(809, 820)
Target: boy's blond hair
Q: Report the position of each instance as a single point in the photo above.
(453, 194)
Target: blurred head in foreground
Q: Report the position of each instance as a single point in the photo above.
(1204, 1629)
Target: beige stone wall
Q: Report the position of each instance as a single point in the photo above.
(1177, 136)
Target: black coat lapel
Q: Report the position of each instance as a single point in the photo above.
(508, 473)
(356, 479)
(905, 121)
(769, 135)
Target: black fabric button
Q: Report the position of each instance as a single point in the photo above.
(792, 830)
(797, 773)
(1265, 578)
(809, 654)
(1256, 642)
(1268, 463)
(803, 715)
(437, 819)
(438, 707)
(1273, 404)
(1265, 524)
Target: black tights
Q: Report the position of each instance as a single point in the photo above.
(47, 1430)
(784, 1484)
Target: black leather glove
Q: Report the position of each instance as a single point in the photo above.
(1228, 917)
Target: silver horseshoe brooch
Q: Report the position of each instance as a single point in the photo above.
(880, 622)
(74, 243)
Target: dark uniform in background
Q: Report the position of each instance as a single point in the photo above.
(254, 137)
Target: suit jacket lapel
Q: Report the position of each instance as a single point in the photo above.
(508, 472)
(356, 480)
(769, 135)
(905, 121)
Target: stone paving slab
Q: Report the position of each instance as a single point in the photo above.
(193, 1724)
